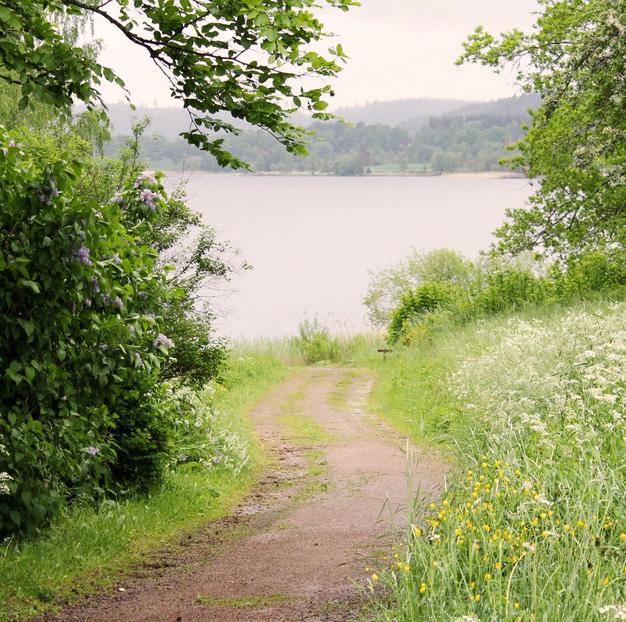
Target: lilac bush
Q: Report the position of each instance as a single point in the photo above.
(80, 292)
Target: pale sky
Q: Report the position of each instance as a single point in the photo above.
(397, 49)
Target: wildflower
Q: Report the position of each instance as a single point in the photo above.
(423, 588)
(375, 577)
(622, 537)
(82, 255)
(163, 341)
(488, 577)
(616, 612)
(117, 301)
(4, 478)
(95, 285)
(92, 451)
(144, 178)
(148, 198)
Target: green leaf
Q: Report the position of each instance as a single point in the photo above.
(28, 326)
(29, 285)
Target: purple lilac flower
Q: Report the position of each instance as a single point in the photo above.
(147, 197)
(82, 255)
(92, 451)
(88, 302)
(95, 285)
(48, 191)
(117, 198)
(117, 260)
(163, 341)
(117, 301)
(145, 178)
(106, 298)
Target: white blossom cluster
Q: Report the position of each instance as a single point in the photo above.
(551, 382)
(614, 612)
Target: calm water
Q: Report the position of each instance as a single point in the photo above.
(312, 240)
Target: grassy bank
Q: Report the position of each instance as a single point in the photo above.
(93, 548)
(532, 527)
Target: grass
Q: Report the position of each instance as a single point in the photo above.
(90, 549)
(532, 526)
(247, 602)
(338, 397)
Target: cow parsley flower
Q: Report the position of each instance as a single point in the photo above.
(614, 612)
(4, 488)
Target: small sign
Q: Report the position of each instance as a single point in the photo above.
(385, 352)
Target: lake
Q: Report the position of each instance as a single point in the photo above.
(312, 240)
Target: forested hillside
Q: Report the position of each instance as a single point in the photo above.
(427, 137)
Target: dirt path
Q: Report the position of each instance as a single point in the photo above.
(298, 548)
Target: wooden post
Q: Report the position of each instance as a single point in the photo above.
(385, 351)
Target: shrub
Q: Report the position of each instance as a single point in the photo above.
(199, 434)
(508, 289)
(387, 287)
(415, 304)
(594, 271)
(315, 343)
(79, 347)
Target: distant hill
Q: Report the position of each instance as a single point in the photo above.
(508, 107)
(399, 111)
(165, 122)
(407, 113)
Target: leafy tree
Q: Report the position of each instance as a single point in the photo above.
(575, 150)
(387, 287)
(251, 59)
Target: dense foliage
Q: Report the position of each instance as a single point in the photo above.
(80, 345)
(100, 308)
(485, 288)
(575, 59)
(387, 286)
(253, 60)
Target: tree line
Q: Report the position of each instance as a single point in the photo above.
(436, 144)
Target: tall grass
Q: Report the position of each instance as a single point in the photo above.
(89, 548)
(533, 526)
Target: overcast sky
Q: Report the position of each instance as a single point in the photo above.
(397, 49)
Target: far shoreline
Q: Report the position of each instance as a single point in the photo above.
(449, 175)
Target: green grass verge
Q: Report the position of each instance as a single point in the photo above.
(531, 527)
(88, 548)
